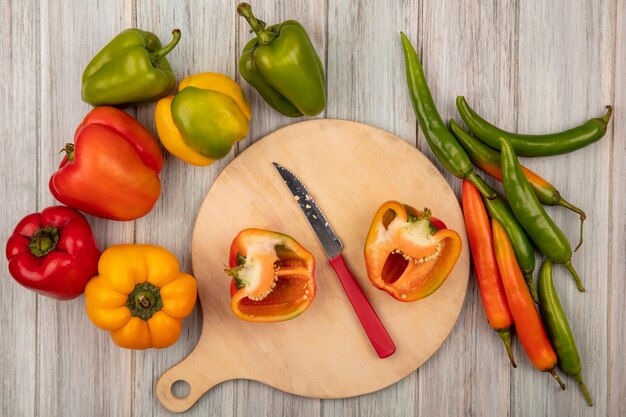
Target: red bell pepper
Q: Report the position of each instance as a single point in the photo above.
(408, 253)
(53, 253)
(112, 169)
(272, 276)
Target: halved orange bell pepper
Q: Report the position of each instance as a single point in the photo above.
(140, 296)
(273, 276)
(408, 253)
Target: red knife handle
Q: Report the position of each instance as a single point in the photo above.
(372, 325)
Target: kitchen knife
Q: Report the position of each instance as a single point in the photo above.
(376, 332)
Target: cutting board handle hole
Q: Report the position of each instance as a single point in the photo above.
(181, 389)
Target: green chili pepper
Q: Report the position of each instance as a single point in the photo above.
(524, 252)
(558, 328)
(549, 239)
(283, 66)
(535, 145)
(444, 145)
(488, 160)
(130, 69)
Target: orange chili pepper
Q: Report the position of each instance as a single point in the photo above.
(487, 273)
(530, 330)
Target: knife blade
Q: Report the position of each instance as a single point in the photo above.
(374, 328)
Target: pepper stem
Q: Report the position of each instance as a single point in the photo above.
(505, 335)
(528, 277)
(564, 203)
(482, 186)
(43, 241)
(141, 298)
(607, 116)
(257, 26)
(570, 267)
(144, 301)
(157, 56)
(556, 376)
(69, 150)
(579, 379)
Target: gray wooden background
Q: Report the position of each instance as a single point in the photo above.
(526, 65)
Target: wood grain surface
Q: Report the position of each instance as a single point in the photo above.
(528, 65)
(351, 169)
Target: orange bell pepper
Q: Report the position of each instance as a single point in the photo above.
(273, 276)
(408, 253)
(140, 296)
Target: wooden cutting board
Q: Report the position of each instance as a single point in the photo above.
(351, 169)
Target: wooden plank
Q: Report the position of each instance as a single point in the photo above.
(366, 83)
(207, 45)
(617, 228)
(19, 26)
(565, 60)
(462, 55)
(252, 398)
(79, 367)
(260, 400)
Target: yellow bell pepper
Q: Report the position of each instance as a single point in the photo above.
(140, 296)
(202, 122)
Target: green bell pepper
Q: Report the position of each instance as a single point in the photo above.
(210, 122)
(282, 65)
(130, 69)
